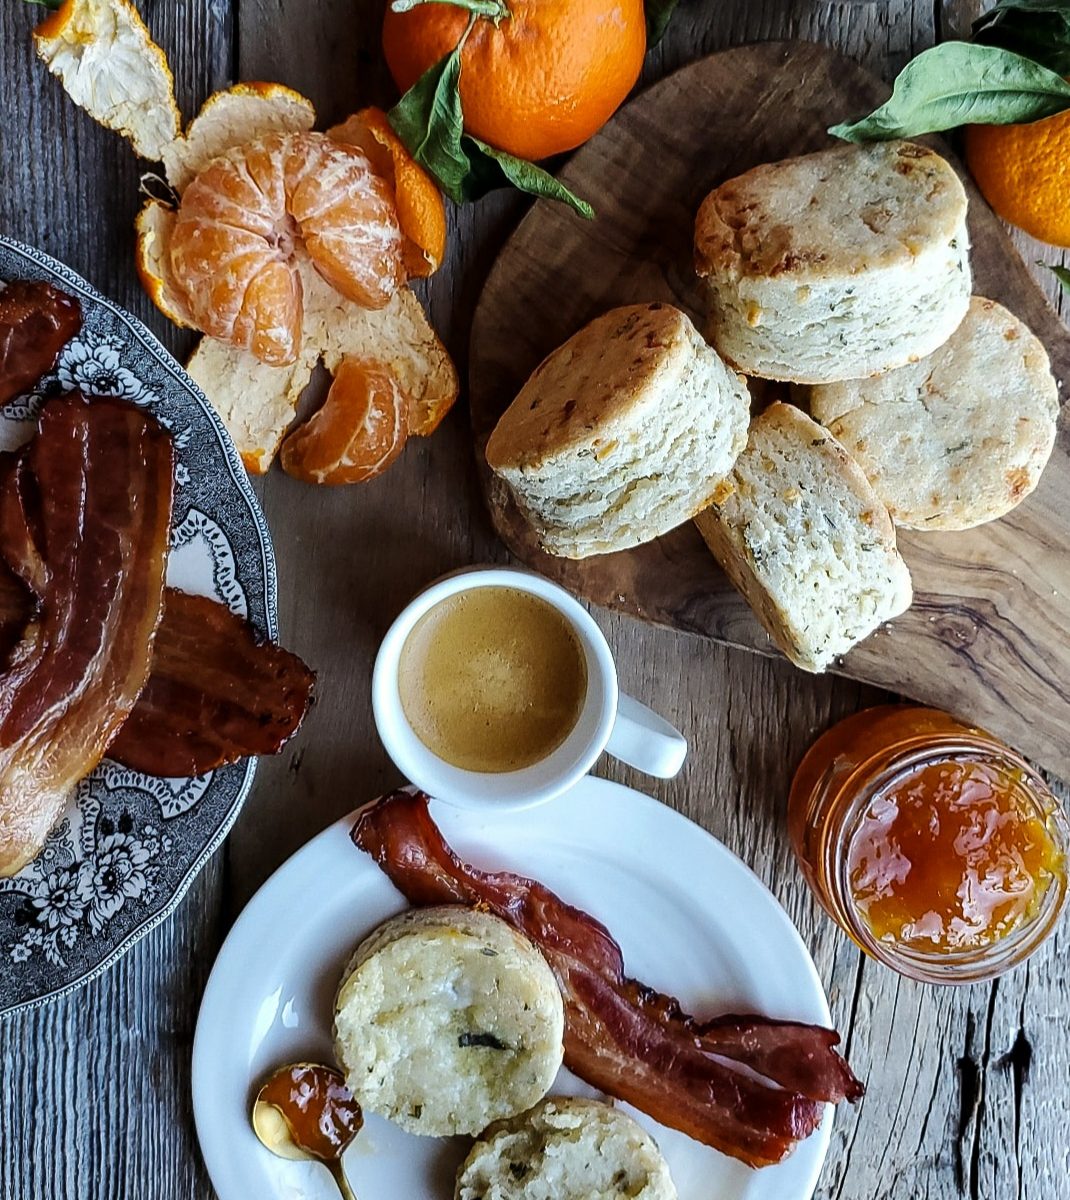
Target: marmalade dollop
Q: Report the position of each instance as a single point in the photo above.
(952, 857)
(934, 846)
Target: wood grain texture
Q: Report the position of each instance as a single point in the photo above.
(94, 1090)
(984, 637)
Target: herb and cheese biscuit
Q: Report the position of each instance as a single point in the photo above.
(960, 437)
(448, 1019)
(836, 265)
(622, 433)
(803, 536)
(568, 1149)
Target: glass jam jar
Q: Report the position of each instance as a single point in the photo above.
(934, 846)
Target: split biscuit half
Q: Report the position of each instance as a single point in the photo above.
(800, 532)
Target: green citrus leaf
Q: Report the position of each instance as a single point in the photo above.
(1060, 273)
(1037, 29)
(957, 83)
(658, 15)
(526, 176)
(428, 119)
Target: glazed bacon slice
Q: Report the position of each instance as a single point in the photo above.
(18, 536)
(36, 322)
(216, 693)
(103, 472)
(699, 1077)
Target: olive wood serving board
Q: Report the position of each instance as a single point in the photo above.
(988, 636)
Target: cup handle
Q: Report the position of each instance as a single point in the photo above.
(646, 741)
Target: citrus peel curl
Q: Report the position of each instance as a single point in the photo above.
(105, 57)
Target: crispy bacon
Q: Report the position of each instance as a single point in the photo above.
(36, 322)
(216, 693)
(104, 475)
(748, 1086)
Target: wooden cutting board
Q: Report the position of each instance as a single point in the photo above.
(988, 636)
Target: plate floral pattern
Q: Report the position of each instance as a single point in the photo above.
(129, 845)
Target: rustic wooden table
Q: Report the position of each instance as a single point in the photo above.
(968, 1089)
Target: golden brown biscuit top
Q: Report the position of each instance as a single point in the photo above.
(838, 212)
(592, 388)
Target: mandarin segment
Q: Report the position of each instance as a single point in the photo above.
(360, 430)
(230, 247)
(347, 218)
(421, 211)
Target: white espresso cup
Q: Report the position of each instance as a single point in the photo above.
(608, 720)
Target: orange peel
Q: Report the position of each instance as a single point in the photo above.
(232, 117)
(153, 225)
(105, 57)
(82, 43)
(421, 210)
(258, 403)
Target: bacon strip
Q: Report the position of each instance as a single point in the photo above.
(104, 473)
(216, 693)
(621, 1036)
(36, 322)
(18, 536)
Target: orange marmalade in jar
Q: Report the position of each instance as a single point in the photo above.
(935, 847)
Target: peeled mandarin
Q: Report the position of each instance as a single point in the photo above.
(240, 220)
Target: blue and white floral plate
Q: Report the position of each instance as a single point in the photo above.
(129, 845)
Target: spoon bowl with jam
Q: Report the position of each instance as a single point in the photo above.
(304, 1111)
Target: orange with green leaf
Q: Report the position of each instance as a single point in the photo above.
(491, 86)
(537, 77)
(1007, 86)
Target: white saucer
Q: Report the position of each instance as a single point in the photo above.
(692, 919)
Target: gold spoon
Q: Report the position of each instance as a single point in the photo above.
(304, 1112)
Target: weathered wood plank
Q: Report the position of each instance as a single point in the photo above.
(94, 1089)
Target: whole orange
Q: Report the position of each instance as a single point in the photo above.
(536, 82)
(1024, 173)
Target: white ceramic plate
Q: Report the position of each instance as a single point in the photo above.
(691, 918)
(129, 845)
